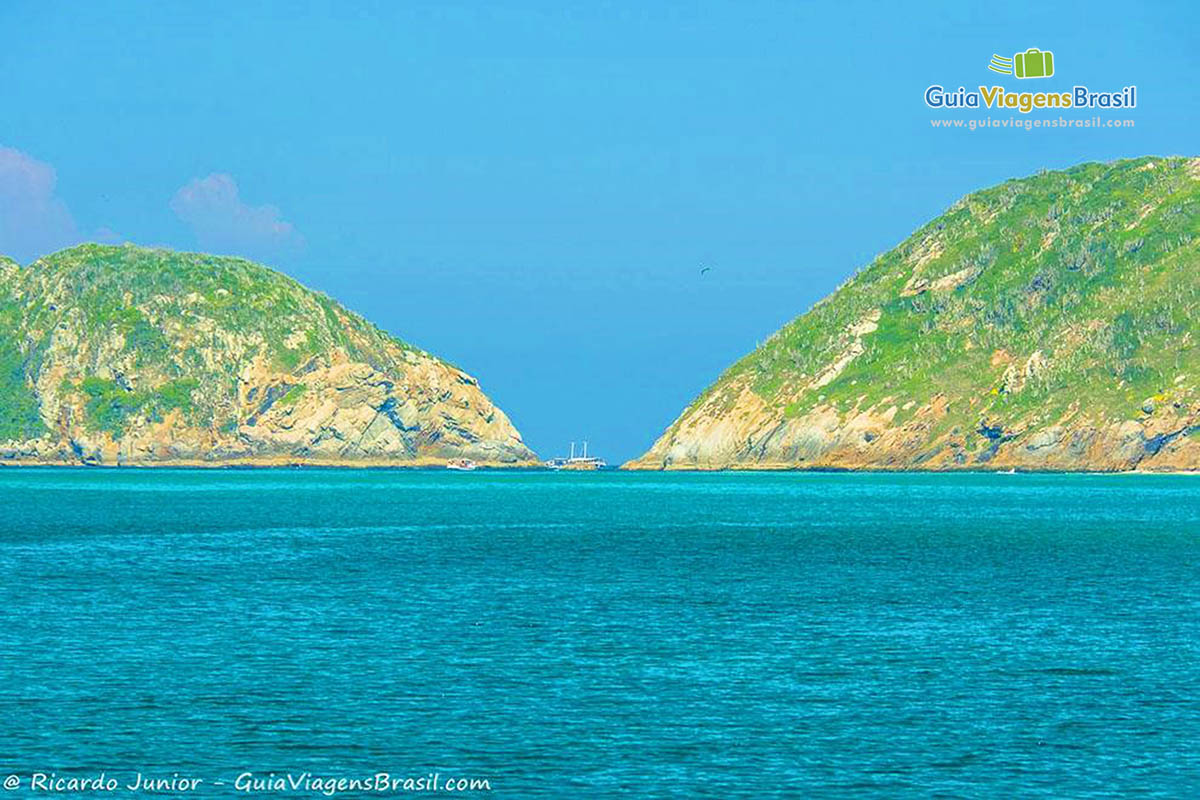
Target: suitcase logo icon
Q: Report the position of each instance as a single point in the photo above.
(1033, 63)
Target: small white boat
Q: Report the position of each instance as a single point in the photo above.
(461, 464)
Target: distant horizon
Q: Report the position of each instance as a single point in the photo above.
(531, 192)
(562, 449)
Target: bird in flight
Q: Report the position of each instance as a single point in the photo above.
(704, 270)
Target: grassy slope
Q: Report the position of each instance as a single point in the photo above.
(173, 311)
(18, 404)
(1096, 266)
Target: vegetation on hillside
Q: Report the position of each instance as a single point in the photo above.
(1079, 286)
(19, 418)
(162, 332)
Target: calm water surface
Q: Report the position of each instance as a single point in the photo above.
(596, 635)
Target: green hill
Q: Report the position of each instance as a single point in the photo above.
(130, 355)
(1051, 322)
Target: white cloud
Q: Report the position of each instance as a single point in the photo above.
(34, 221)
(213, 209)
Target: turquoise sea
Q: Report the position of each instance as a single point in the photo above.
(603, 635)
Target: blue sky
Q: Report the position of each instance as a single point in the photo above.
(530, 189)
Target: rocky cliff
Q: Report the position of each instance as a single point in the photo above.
(127, 355)
(1051, 322)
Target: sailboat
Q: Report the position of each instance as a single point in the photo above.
(574, 462)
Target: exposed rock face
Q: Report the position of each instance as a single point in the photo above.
(1047, 323)
(125, 355)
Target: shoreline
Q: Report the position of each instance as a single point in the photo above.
(777, 468)
(259, 463)
(536, 466)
